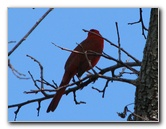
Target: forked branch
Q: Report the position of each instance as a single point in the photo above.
(142, 23)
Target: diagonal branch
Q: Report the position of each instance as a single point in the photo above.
(136, 60)
(83, 83)
(121, 63)
(41, 69)
(103, 55)
(86, 56)
(41, 75)
(29, 32)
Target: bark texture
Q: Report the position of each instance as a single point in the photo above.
(146, 100)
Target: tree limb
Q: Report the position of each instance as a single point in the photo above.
(136, 60)
(16, 72)
(29, 32)
(142, 23)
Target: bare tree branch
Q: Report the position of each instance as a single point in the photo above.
(12, 42)
(119, 51)
(41, 69)
(123, 71)
(84, 82)
(142, 23)
(38, 109)
(30, 31)
(120, 62)
(75, 100)
(41, 75)
(19, 105)
(79, 84)
(136, 60)
(104, 89)
(54, 85)
(15, 72)
(86, 56)
(103, 55)
(132, 114)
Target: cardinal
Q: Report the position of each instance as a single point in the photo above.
(78, 63)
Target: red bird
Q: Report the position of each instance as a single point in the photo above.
(77, 64)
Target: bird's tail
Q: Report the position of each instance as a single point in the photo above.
(54, 103)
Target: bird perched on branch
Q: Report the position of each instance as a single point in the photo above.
(78, 63)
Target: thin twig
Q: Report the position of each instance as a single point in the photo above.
(12, 42)
(86, 56)
(104, 89)
(130, 81)
(121, 63)
(137, 61)
(40, 90)
(131, 64)
(92, 77)
(29, 32)
(75, 100)
(16, 112)
(38, 108)
(41, 75)
(85, 81)
(54, 85)
(34, 81)
(15, 72)
(41, 69)
(140, 21)
(123, 70)
(134, 114)
(19, 105)
(89, 62)
(119, 46)
(62, 48)
(103, 55)
(124, 113)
